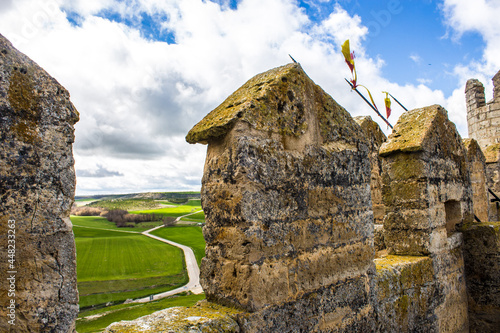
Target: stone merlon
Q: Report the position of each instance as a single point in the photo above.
(415, 131)
(279, 101)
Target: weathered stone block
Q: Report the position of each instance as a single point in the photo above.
(477, 166)
(203, 317)
(482, 271)
(37, 184)
(375, 138)
(426, 182)
(406, 294)
(288, 206)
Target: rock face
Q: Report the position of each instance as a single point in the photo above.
(37, 184)
(289, 226)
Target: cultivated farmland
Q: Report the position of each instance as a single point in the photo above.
(113, 266)
(191, 236)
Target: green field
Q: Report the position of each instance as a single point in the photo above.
(191, 236)
(118, 264)
(113, 266)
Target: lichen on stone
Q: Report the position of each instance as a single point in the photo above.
(415, 129)
(25, 105)
(491, 153)
(277, 101)
(202, 317)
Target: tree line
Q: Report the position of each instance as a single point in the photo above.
(121, 217)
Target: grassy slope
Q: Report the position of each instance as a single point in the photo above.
(191, 236)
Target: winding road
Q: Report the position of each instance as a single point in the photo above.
(191, 265)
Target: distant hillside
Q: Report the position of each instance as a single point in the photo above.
(147, 195)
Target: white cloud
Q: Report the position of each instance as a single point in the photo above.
(479, 16)
(138, 98)
(415, 58)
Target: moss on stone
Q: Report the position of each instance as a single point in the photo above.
(416, 129)
(204, 316)
(25, 103)
(254, 94)
(278, 101)
(389, 261)
(371, 129)
(491, 153)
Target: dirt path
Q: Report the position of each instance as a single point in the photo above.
(191, 264)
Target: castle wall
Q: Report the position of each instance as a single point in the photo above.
(375, 137)
(37, 184)
(289, 227)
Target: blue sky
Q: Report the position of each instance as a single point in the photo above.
(143, 72)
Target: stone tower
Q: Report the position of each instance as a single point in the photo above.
(483, 119)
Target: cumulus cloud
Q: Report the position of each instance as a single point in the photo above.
(98, 173)
(140, 90)
(480, 16)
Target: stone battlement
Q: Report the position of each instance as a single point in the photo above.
(483, 119)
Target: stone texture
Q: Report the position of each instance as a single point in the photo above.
(203, 317)
(426, 183)
(477, 167)
(375, 138)
(427, 193)
(483, 120)
(37, 184)
(481, 116)
(406, 294)
(285, 190)
(482, 271)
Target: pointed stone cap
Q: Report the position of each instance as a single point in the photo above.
(285, 101)
(473, 149)
(421, 130)
(371, 129)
